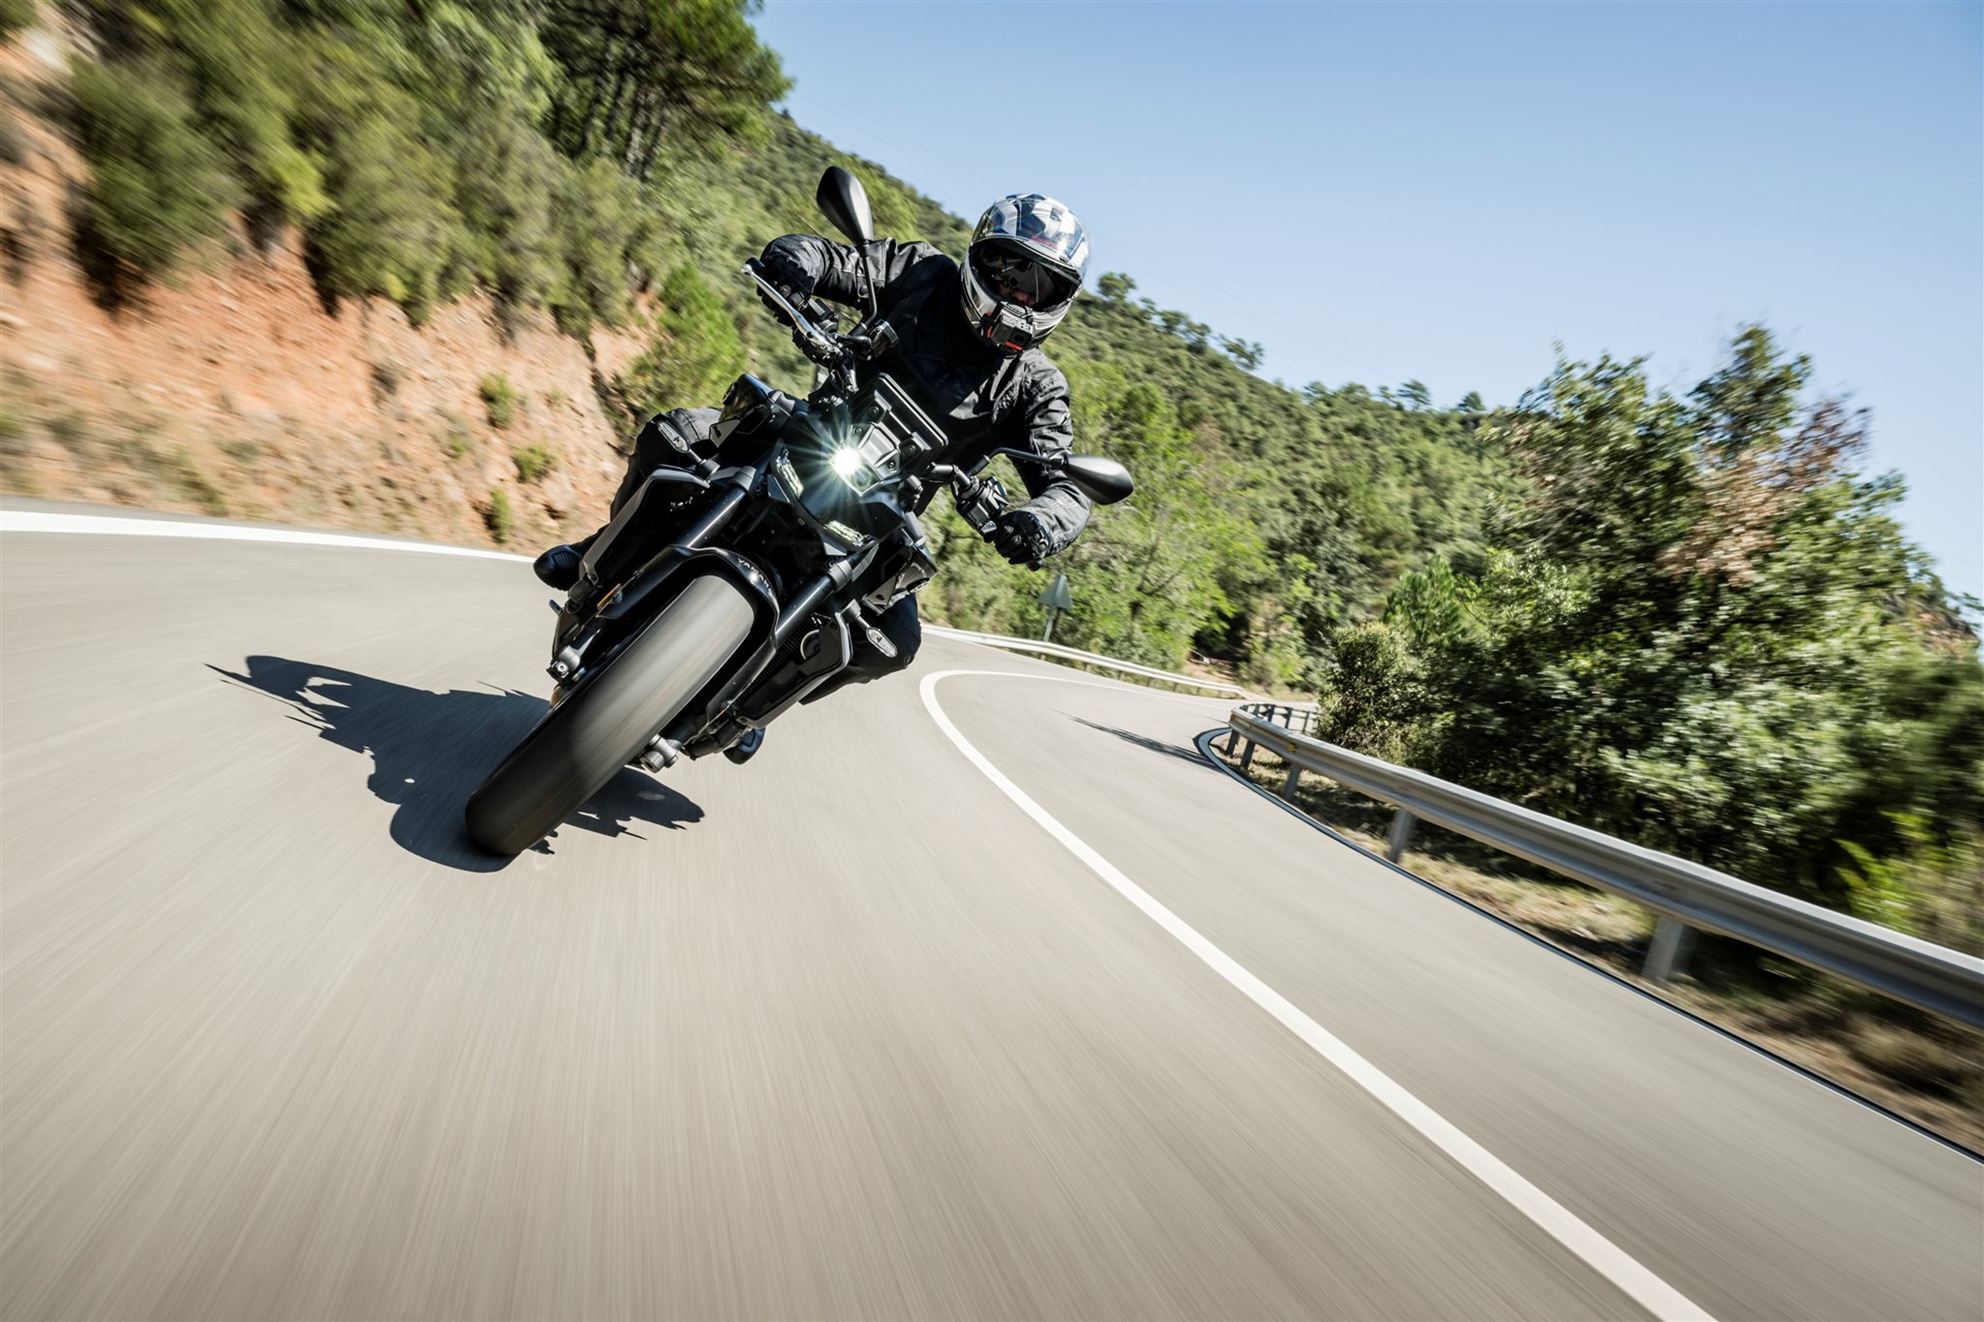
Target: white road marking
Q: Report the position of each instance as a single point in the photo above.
(106, 525)
(1598, 1252)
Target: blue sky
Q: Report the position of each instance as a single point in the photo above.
(1386, 192)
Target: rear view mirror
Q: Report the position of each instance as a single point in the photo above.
(845, 202)
(1103, 481)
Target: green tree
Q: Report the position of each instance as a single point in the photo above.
(645, 76)
(1115, 286)
(1705, 633)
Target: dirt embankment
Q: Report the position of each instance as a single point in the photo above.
(235, 390)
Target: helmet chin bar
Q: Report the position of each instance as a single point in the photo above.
(1010, 326)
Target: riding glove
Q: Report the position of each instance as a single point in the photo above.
(1020, 536)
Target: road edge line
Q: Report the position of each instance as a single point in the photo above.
(1590, 1246)
(113, 525)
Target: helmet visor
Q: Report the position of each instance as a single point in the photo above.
(1015, 276)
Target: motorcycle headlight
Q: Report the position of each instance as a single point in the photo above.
(865, 458)
(849, 466)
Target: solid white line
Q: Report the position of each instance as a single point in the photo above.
(1598, 1252)
(105, 525)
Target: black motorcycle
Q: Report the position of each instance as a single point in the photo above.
(728, 589)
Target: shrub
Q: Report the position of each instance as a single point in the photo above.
(500, 398)
(604, 231)
(13, 149)
(1919, 1057)
(1374, 694)
(498, 517)
(534, 461)
(392, 231)
(157, 183)
(696, 354)
(240, 65)
(245, 451)
(15, 15)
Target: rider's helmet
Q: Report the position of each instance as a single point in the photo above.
(1023, 269)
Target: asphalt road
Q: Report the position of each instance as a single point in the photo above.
(845, 1032)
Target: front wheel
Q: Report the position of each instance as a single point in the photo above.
(603, 724)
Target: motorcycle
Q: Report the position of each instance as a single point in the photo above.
(728, 589)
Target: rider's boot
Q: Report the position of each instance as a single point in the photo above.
(559, 567)
(747, 746)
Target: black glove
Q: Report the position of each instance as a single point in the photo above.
(792, 296)
(790, 277)
(1020, 536)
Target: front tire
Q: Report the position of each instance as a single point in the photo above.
(601, 726)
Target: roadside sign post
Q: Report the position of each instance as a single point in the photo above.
(1056, 598)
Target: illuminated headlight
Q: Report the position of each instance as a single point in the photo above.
(847, 465)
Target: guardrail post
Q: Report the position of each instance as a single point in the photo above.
(1292, 783)
(1668, 951)
(1247, 757)
(1402, 824)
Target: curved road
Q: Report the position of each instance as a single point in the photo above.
(846, 1032)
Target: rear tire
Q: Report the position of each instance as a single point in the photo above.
(601, 726)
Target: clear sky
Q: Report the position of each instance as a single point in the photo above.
(1385, 192)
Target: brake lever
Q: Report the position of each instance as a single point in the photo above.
(802, 325)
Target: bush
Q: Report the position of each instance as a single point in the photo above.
(498, 517)
(240, 65)
(604, 233)
(15, 15)
(392, 230)
(534, 461)
(696, 354)
(500, 398)
(157, 184)
(1374, 694)
(1917, 1057)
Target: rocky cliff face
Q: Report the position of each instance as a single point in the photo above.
(235, 390)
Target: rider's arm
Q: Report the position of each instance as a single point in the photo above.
(1047, 429)
(816, 266)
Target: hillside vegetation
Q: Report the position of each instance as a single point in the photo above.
(1690, 619)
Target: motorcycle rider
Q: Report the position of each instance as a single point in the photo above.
(968, 351)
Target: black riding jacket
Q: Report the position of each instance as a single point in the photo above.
(983, 396)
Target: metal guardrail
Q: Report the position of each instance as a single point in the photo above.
(1684, 895)
(1079, 657)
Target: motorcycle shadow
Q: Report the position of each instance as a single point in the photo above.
(430, 749)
